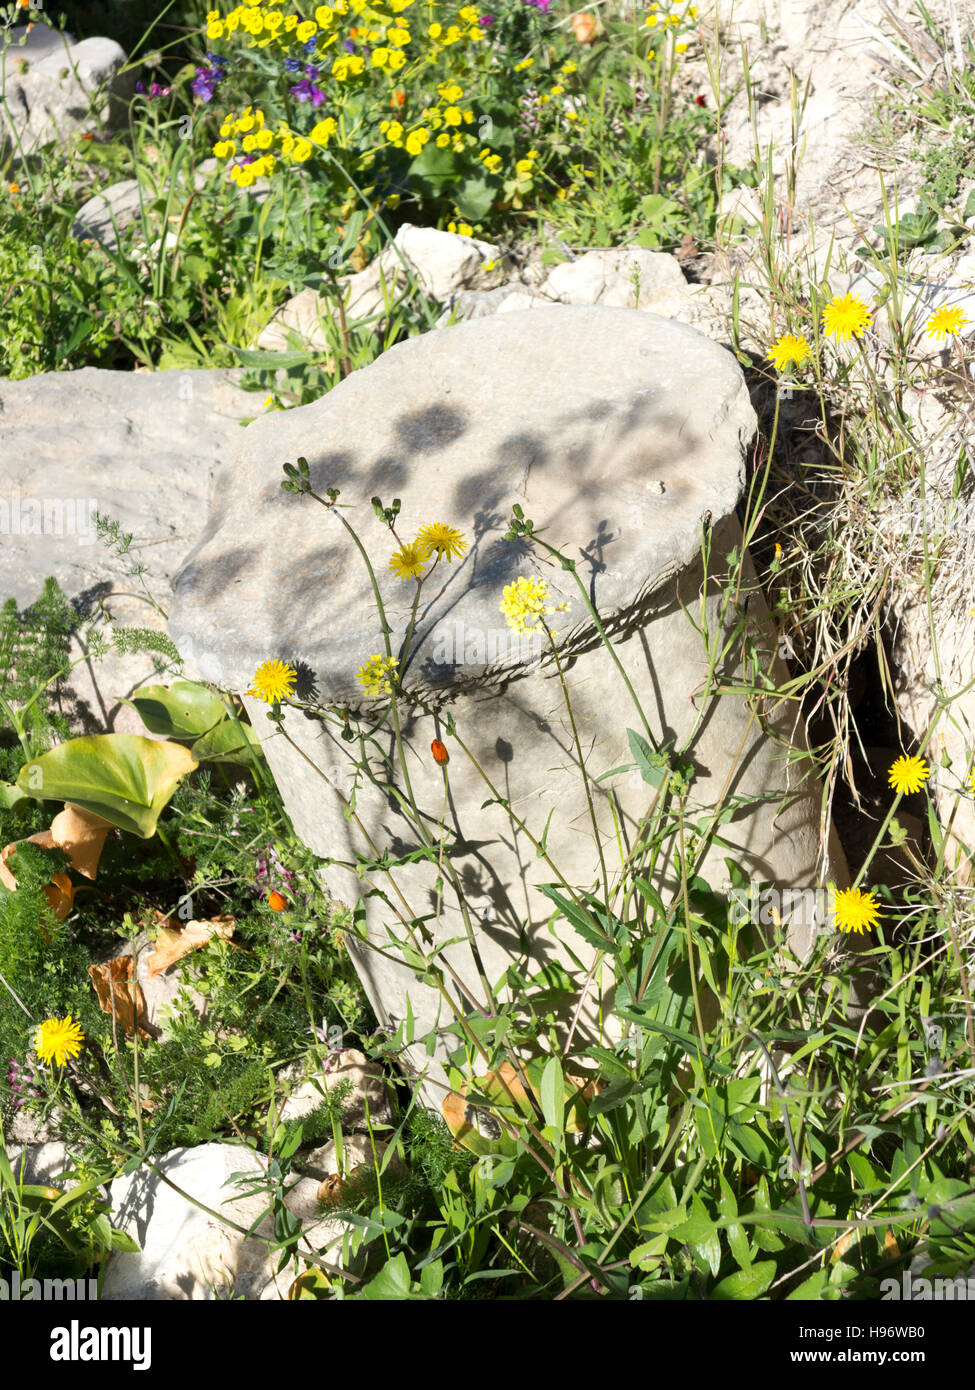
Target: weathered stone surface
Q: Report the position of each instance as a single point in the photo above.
(479, 304)
(301, 322)
(445, 262)
(137, 447)
(623, 277)
(55, 87)
(442, 262)
(323, 1161)
(920, 671)
(186, 1253)
(619, 433)
(42, 1163)
(614, 443)
(106, 214)
(366, 1103)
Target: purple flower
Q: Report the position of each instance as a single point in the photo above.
(292, 65)
(307, 91)
(486, 20)
(206, 81)
(311, 45)
(21, 1080)
(348, 45)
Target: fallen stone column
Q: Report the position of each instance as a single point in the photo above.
(620, 435)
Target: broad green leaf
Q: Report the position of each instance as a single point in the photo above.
(228, 742)
(812, 1289)
(653, 766)
(125, 779)
(183, 710)
(746, 1284)
(474, 197)
(11, 797)
(701, 1234)
(392, 1283)
(552, 1094)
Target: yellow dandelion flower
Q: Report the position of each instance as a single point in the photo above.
(407, 562)
(946, 321)
(442, 540)
(846, 317)
(789, 348)
(908, 775)
(57, 1039)
(854, 910)
(273, 680)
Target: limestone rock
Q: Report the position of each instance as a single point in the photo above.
(186, 1253)
(301, 322)
(918, 673)
(477, 304)
(623, 407)
(106, 214)
(141, 448)
(56, 88)
(43, 1163)
(367, 1101)
(623, 277)
(442, 262)
(323, 1161)
(445, 262)
(617, 432)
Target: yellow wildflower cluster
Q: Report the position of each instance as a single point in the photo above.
(467, 26)
(377, 675)
(256, 148)
(270, 25)
(672, 17)
(446, 117)
(525, 604)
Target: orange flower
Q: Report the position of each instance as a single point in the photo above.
(398, 99)
(23, 4)
(584, 27)
(439, 752)
(13, 187)
(276, 903)
(88, 135)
